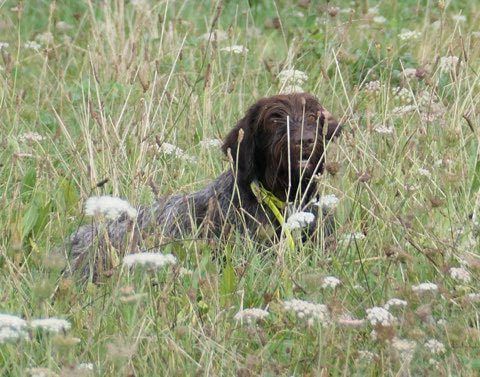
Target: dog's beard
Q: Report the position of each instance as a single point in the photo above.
(288, 171)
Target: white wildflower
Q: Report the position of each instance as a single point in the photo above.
(4, 45)
(403, 94)
(384, 130)
(378, 316)
(23, 155)
(402, 110)
(406, 35)
(434, 363)
(54, 325)
(211, 143)
(44, 38)
(292, 77)
(217, 35)
(460, 274)
(289, 89)
(367, 355)
(308, 311)
(299, 220)
(425, 287)
(32, 45)
(394, 302)
(473, 297)
(409, 73)
(185, 272)
(379, 19)
(346, 11)
(175, 151)
(426, 98)
(12, 328)
(41, 372)
(441, 322)
(448, 63)
(63, 26)
(251, 315)
(85, 366)
(373, 10)
(108, 206)
(435, 347)
(424, 172)
(31, 137)
(150, 260)
(372, 86)
(352, 236)
(405, 348)
(327, 201)
(330, 282)
(459, 18)
(139, 3)
(236, 49)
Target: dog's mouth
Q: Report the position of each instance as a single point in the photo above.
(305, 164)
(306, 161)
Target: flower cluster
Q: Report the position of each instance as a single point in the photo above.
(367, 355)
(403, 95)
(299, 220)
(291, 80)
(211, 143)
(150, 260)
(353, 236)
(384, 130)
(110, 207)
(15, 328)
(217, 35)
(460, 274)
(32, 45)
(235, 49)
(394, 302)
(448, 63)
(327, 201)
(425, 287)
(330, 282)
(54, 325)
(177, 152)
(407, 35)
(251, 315)
(403, 110)
(308, 311)
(372, 86)
(12, 328)
(435, 347)
(405, 348)
(378, 316)
(30, 137)
(409, 73)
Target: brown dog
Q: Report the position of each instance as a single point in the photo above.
(275, 150)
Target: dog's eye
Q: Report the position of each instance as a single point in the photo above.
(312, 119)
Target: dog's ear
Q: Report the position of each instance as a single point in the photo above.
(240, 144)
(331, 127)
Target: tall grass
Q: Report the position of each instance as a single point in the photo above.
(110, 81)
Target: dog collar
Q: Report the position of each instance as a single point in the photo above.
(275, 205)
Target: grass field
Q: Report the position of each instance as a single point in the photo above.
(89, 89)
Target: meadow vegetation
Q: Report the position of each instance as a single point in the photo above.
(131, 99)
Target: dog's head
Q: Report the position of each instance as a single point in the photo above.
(281, 142)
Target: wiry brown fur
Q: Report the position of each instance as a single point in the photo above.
(267, 145)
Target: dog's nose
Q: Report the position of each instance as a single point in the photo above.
(304, 139)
